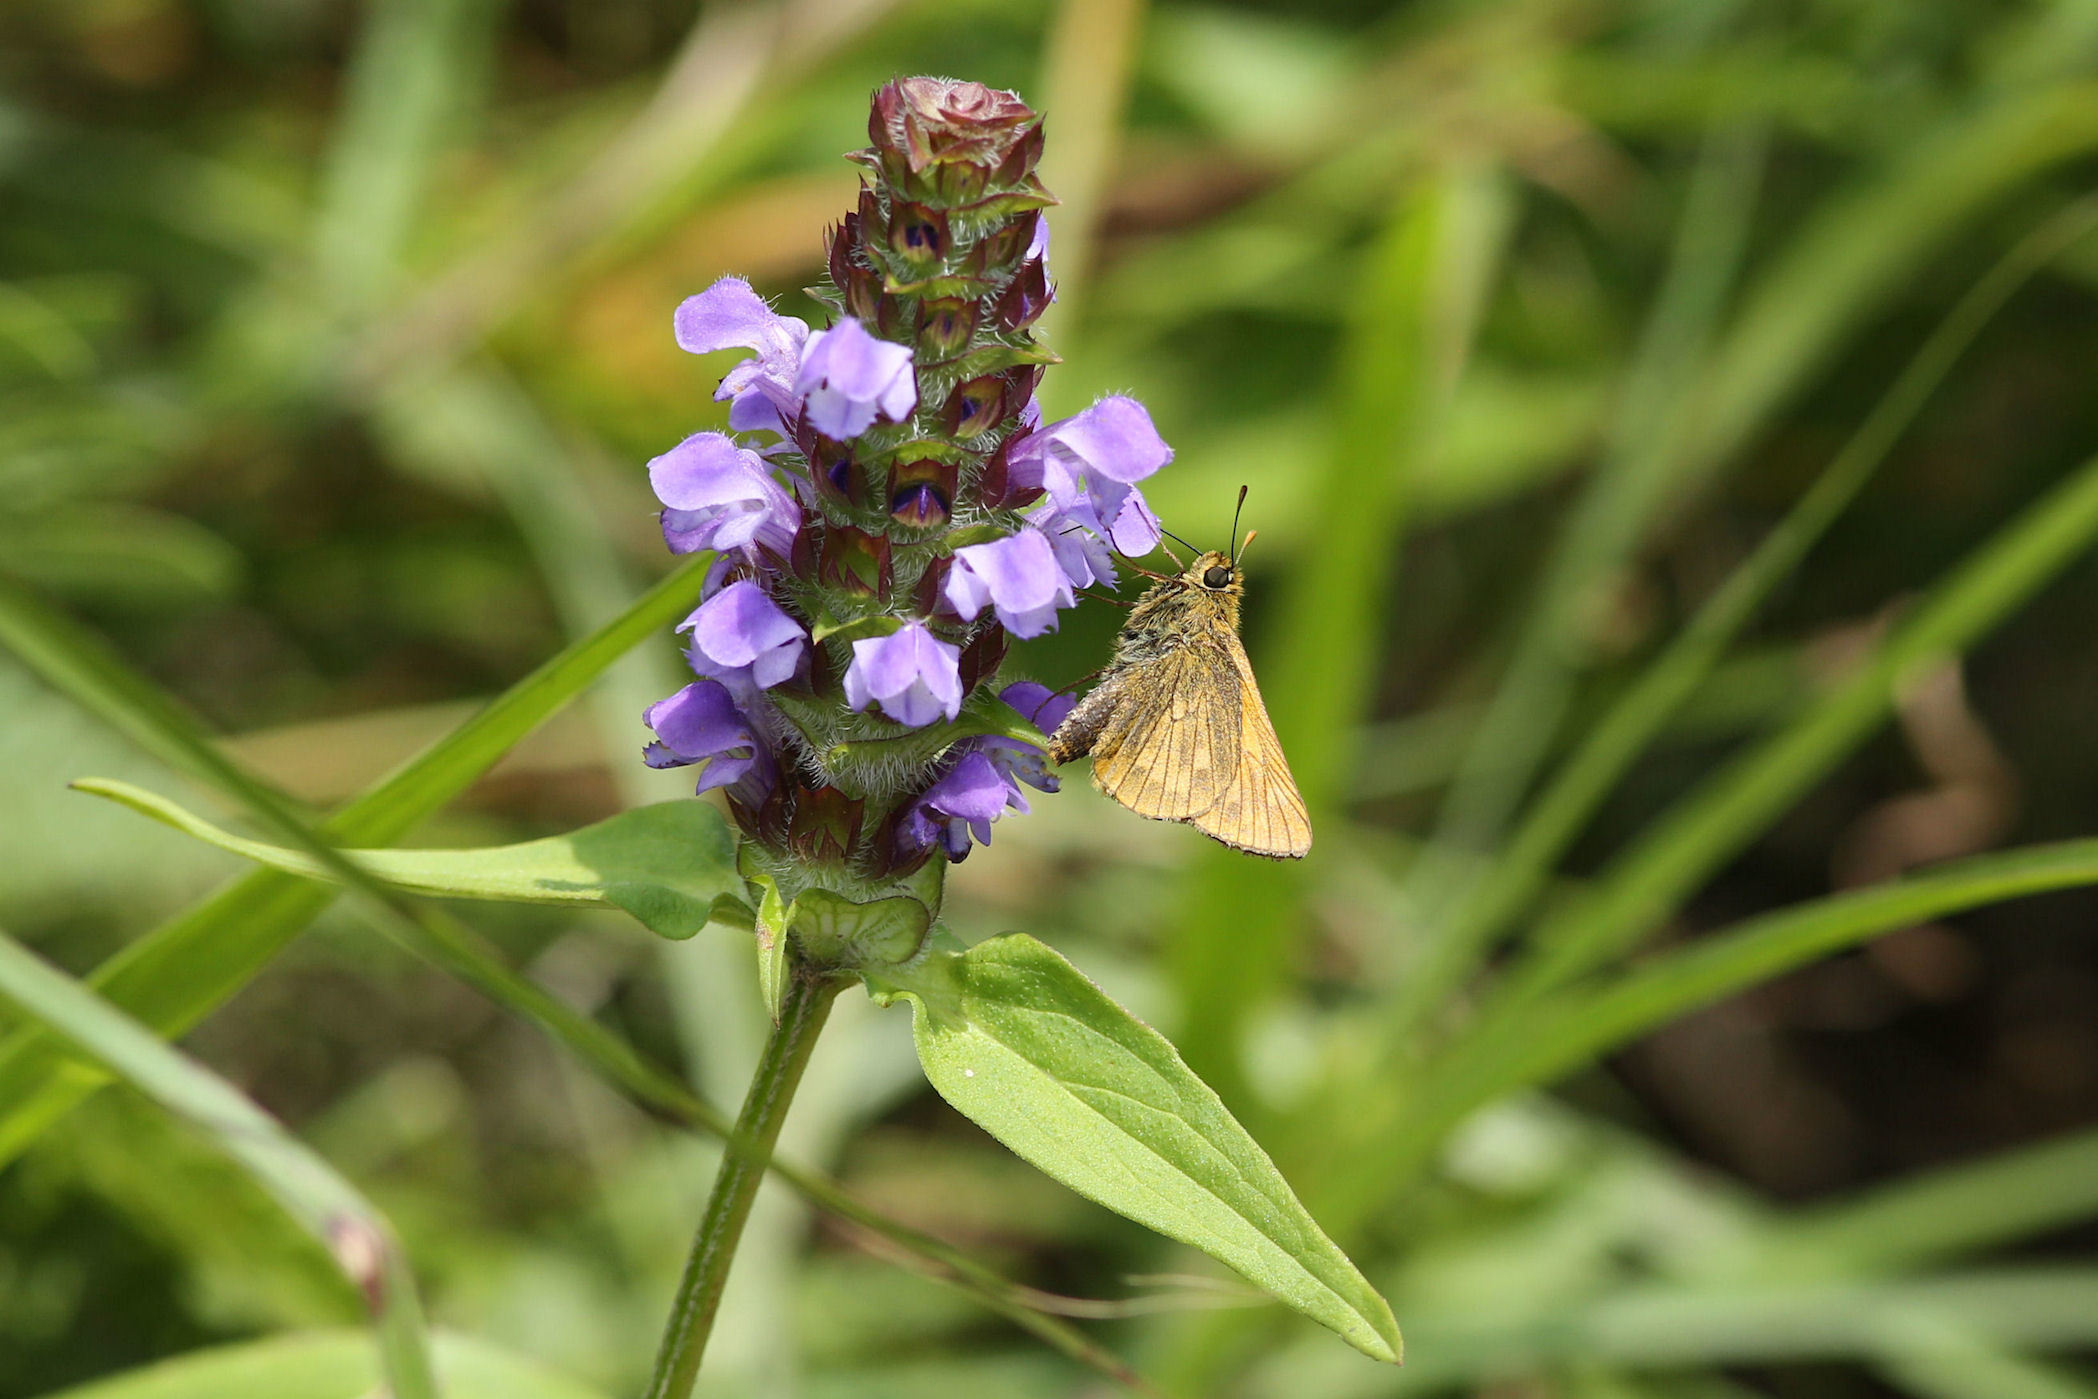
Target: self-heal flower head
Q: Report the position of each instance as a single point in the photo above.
(911, 674)
(1018, 577)
(719, 496)
(744, 639)
(760, 391)
(701, 724)
(848, 378)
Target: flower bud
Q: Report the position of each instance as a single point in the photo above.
(855, 561)
(948, 326)
(921, 492)
(1024, 299)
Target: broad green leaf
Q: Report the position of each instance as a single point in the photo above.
(1021, 1043)
(327, 1365)
(357, 1235)
(666, 864)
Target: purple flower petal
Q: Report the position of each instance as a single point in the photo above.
(1038, 704)
(728, 314)
(1038, 245)
(701, 724)
(720, 496)
(1074, 535)
(1018, 576)
(911, 674)
(1134, 530)
(742, 637)
(847, 377)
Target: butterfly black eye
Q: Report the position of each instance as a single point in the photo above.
(1218, 577)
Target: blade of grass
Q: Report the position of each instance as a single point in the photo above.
(1646, 441)
(1491, 902)
(1952, 1211)
(416, 62)
(1649, 881)
(1423, 282)
(1845, 262)
(180, 972)
(1085, 87)
(356, 1234)
(1580, 1024)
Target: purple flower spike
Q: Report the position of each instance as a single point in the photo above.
(720, 496)
(849, 377)
(701, 724)
(913, 675)
(741, 637)
(1018, 576)
(760, 391)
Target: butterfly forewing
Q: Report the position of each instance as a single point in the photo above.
(1261, 811)
(1169, 749)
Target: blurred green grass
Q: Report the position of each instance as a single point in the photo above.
(332, 338)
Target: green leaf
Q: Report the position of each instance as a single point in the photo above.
(1020, 1042)
(356, 1234)
(773, 920)
(666, 864)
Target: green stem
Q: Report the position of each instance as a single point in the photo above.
(803, 1009)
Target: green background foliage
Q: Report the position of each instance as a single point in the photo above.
(1670, 430)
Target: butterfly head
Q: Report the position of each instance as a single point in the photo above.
(1214, 572)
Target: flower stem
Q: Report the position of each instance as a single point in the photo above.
(803, 1009)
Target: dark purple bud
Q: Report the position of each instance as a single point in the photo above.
(981, 658)
(918, 236)
(921, 493)
(931, 593)
(1021, 159)
(996, 486)
(1024, 298)
(856, 561)
(858, 283)
(948, 326)
(928, 121)
(976, 406)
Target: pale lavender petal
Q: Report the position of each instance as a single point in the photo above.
(911, 674)
(1114, 439)
(1133, 529)
(1021, 577)
(729, 313)
(741, 635)
(848, 376)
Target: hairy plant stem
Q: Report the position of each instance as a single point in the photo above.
(803, 1008)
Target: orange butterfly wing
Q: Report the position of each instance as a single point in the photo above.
(1261, 812)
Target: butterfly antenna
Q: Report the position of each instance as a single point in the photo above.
(1178, 540)
(1237, 546)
